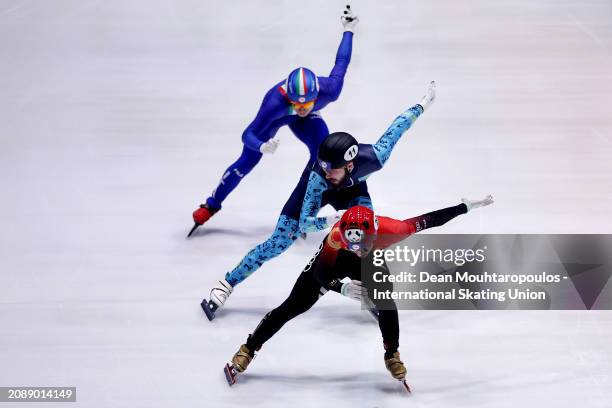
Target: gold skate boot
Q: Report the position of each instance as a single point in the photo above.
(396, 366)
(242, 359)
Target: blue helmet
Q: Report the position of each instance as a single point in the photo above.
(302, 85)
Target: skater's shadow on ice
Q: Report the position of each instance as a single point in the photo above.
(345, 381)
(339, 318)
(254, 232)
(253, 311)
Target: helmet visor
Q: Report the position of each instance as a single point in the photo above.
(305, 105)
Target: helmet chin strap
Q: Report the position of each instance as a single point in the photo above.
(348, 172)
(345, 177)
(350, 166)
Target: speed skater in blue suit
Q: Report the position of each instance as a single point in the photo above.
(295, 102)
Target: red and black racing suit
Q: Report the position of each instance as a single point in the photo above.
(332, 263)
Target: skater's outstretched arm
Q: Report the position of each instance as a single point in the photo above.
(272, 107)
(392, 231)
(333, 84)
(384, 146)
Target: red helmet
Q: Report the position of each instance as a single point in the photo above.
(358, 229)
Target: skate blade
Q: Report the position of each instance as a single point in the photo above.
(230, 374)
(192, 230)
(209, 311)
(406, 386)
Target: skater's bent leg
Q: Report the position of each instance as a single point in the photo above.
(293, 205)
(232, 177)
(388, 323)
(387, 313)
(284, 235)
(304, 294)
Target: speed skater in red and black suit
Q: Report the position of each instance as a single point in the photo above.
(341, 255)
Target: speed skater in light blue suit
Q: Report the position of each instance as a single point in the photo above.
(337, 178)
(295, 102)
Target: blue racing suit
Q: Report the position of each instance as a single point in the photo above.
(276, 111)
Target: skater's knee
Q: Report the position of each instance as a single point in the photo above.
(292, 309)
(302, 309)
(243, 167)
(285, 234)
(285, 312)
(246, 162)
(274, 246)
(296, 304)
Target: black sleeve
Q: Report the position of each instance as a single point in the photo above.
(436, 218)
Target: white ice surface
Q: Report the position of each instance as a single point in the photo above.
(118, 117)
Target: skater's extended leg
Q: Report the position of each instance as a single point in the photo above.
(388, 323)
(284, 235)
(389, 327)
(230, 179)
(232, 176)
(304, 294)
(387, 312)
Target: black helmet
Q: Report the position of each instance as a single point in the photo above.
(337, 149)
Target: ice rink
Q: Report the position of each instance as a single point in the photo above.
(117, 118)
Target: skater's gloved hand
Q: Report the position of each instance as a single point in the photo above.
(471, 204)
(349, 19)
(354, 290)
(270, 146)
(334, 218)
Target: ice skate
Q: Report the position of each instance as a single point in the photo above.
(242, 358)
(201, 216)
(397, 369)
(240, 362)
(396, 366)
(218, 296)
(471, 204)
(429, 97)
